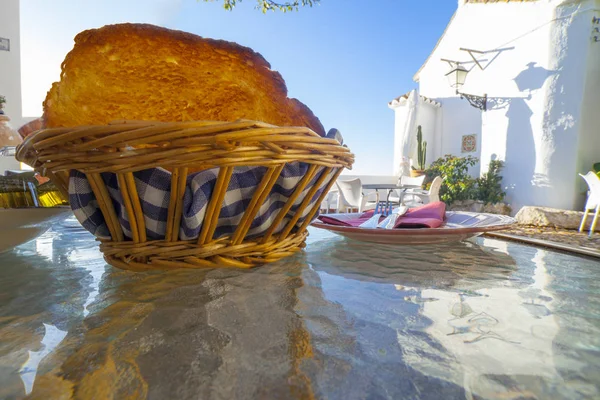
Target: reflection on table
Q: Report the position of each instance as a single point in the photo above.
(342, 319)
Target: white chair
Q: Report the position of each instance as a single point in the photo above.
(593, 200)
(350, 195)
(405, 194)
(432, 195)
(412, 181)
(330, 201)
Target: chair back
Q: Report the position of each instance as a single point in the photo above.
(434, 189)
(408, 180)
(330, 201)
(350, 192)
(593, 183)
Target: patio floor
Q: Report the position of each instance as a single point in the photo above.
(571, 240)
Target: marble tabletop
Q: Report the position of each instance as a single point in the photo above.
(339, 320)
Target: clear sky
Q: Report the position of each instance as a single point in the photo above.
(345, 59)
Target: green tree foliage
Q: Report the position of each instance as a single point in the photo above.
(489, 185)
(457, 184)
(269, 5)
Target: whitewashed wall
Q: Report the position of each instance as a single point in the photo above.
(400, 117)
(589, 140)
(10, 61)
(428, 117)
(457, 121)
(546, 72)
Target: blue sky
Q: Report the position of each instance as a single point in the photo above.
(344, 59)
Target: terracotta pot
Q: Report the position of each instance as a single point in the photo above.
(416, 172)
(8, 136)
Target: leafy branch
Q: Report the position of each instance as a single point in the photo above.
(459, 185)
(269, 5)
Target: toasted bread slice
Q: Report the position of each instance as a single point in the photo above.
(146, 72)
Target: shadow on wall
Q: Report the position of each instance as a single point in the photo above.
(532, 77)
(520, 153)
(523, 185)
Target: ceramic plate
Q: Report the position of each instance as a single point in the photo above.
(459, 225)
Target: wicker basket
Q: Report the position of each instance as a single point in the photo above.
(179, 146)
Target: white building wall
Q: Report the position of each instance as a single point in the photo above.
(427, 115)
(457, 121)
(10, 61)
(400, 116)
(427, 119)
(544, 66)
(575, 126)
(589, 139)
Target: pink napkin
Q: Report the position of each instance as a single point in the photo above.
(331, 220)
(430, 215)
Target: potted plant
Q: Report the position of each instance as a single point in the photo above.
(421, 155)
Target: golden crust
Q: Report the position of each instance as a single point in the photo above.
(145, 72)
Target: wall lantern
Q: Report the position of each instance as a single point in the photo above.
(457, 77)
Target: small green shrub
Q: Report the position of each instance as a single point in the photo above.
(457, 183)
(489, 185)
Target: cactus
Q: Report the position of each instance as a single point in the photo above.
(421, 149)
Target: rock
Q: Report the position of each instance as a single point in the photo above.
(479, 206)
(497, 208)
(466, 205)
(553, 217)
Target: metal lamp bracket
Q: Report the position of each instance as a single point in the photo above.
(479, 102)
(471, 51)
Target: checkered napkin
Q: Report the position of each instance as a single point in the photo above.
(154, 188)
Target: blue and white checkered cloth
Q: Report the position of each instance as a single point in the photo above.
(154, 189)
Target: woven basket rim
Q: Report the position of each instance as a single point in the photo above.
(126, 146)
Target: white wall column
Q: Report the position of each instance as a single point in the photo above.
(563, 134)
(400, 115)
(10, 61)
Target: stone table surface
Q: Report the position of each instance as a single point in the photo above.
(342, 319)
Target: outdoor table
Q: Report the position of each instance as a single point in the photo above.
(390, 187)
(422, 321)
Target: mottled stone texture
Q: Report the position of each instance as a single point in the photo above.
(479, 206)
(553, 217)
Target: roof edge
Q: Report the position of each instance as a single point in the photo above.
(401, 100)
